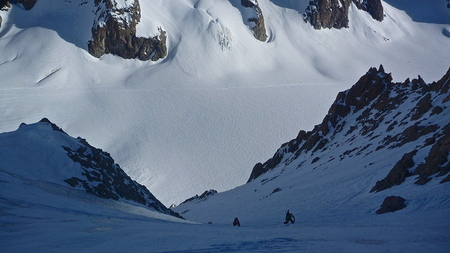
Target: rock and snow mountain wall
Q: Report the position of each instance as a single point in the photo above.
(42, 151)
(373, 116)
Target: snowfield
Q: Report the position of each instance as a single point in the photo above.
(43, 228)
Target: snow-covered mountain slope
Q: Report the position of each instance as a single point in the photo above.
(42, 154)
(44, 217)
(379, 139)
(39, 212)
(201, 117)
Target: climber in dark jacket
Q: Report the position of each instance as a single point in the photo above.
(236, 222)
(289, 217)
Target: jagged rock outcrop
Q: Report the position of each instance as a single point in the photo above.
(334, 13)
(391, 204)
(398, 174)
(328, 14)
(114, 32)
(373, 7)
(374, 116)
(103, 177)
(203, 196)
(259, 29)
(436, 163)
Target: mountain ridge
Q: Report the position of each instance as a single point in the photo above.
(377, 90)
(47, 149)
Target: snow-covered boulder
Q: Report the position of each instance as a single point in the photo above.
(391, 204)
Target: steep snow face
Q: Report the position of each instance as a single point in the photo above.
(219, 102)
(72, 20)
(35, 152)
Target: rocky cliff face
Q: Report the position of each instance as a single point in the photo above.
(373, 7)
(328, 14)
(377, 116)
(334, 13)
(257, 18)
(114, 32)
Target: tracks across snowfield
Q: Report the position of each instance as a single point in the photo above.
(56, 230)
